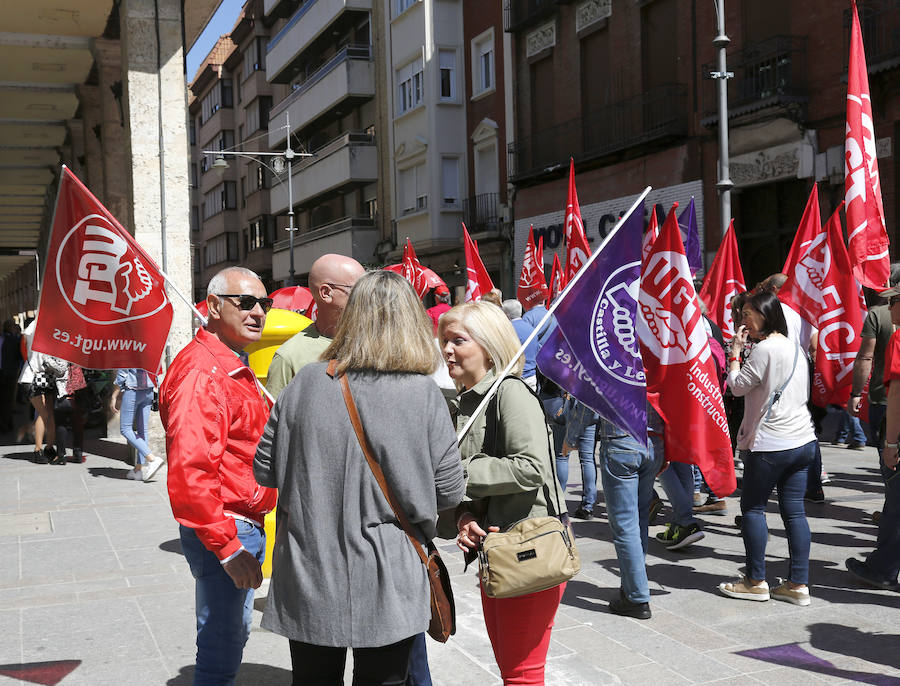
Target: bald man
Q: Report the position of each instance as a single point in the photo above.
(330, 279)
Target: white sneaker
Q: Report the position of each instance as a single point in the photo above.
(154, 467)
(135, 475)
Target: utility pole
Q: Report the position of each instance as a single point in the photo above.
(724, 183)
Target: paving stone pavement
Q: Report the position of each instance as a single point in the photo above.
(94, 592)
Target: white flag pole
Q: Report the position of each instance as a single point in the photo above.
(181, 295)
(546, 317)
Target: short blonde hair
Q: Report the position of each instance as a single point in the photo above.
(384, 328)
(490, 328)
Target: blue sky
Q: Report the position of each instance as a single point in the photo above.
(222, 22)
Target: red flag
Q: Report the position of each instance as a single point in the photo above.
(103, 301)
(678, 360)
(532, 288)
(478, 282)
(651, 234)
(577, 249)
(556, 280)
(805, 264)
(413, 271)
(840, 322)
(867, 238)
(723, 281)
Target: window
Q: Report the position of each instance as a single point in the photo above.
(413, 189)
(220, 96)
(483, 62)
(221, 248)
(447, 61)
(204, 164)
(253, 58)
(261, 179)
(224, 141)
(243, 191)
(450, 181)
(258, 113)
(403, 5)
(192, 132)
(194, 175)
(195, 218)
(227, 87)
(261, 233)
(410, 86)
(222, 197)
(237, 88)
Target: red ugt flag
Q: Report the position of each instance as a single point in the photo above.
(556, 280)
(682, 383)
(413, 270)
(478, 282)
(806, 264)
(103, 302)
(867, 238)
(724, 280)
(532, 288)
(651, 234)
(577, 249)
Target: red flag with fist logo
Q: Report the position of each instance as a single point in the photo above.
(724, 280)
(478, 282)
(577, 249)
(103, 302)
(682, 382)
(866, 234)
(532, 289)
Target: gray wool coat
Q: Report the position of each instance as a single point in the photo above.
(344, 573)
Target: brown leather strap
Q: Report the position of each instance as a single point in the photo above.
(373, 464)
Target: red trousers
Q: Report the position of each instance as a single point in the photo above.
(519, 629)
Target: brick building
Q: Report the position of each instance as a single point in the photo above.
(621, 87)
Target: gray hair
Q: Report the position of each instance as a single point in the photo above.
(218, 283)
(513, 308)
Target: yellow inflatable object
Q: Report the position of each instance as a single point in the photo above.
(280, 325)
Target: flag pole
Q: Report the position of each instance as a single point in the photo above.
(181, 295)
(546, 317)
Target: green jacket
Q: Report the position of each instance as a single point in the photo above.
(506, 455)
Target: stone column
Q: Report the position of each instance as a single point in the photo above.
(108, 58)
(89, 99)
(76, 146)
(155, 99)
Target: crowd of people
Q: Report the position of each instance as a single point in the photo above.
(344, 574)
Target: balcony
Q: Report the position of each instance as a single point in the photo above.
(482, 212)
(654, 117)
(880, 21)
(519, 14)
(349, 161)
(768, 74)
(353, 236)
(344, 81)
(311, 21)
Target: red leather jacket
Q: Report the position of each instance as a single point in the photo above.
(214, 415)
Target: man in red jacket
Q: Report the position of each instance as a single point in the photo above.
(213, 415)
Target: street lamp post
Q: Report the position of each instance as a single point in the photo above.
(281, 161)
(724, 183)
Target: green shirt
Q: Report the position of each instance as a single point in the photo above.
(878, 325)
(295, 353)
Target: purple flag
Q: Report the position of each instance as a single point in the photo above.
(690, 236)
(594, 353)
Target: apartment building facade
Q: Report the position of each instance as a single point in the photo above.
(624, 88)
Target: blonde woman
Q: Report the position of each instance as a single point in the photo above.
(344, 572)
(509, 474)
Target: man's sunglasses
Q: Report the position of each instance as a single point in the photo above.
(248, 302)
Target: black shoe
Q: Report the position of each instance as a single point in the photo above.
(738, 521)
(40, 457)
(656, 506)
(625, 608)
(860, 570)
(583, 513)
(815, 496)
(58, 460)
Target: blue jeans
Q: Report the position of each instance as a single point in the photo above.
(134, 418)
(628, 470)
(678, 483)
(849, 429)
(885, 559)
(419, 673)
(224, 612)
(786, 469)
(588, 467)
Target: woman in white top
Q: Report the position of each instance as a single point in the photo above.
(777, 443)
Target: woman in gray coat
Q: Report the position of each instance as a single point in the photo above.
(344, 573)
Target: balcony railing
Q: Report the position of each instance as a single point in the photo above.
(482, 212)
(880, 22)
(517, 14)
(658, 114)
(769, 72)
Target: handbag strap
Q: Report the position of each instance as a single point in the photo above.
(373, 464)
(776, 396)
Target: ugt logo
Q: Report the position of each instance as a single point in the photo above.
(102, 278)
(671, 324)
